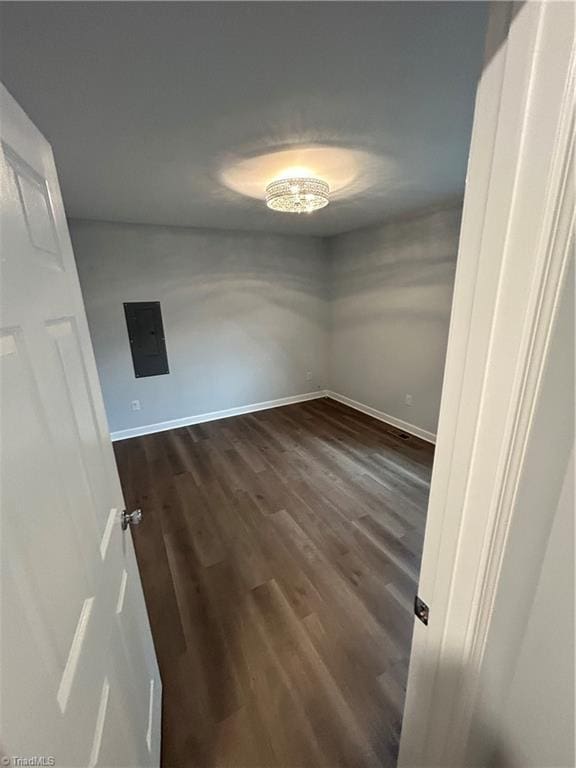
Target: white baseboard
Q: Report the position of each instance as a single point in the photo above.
(149, 429)
(405, 426)
(187, 421)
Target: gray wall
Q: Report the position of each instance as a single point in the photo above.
(391, 295)
(245, 316)
(248, 315)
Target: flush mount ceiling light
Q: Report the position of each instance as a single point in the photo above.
(297, 195)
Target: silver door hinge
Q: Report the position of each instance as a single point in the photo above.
(130, 518)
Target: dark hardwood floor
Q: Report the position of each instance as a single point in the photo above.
(279, 555)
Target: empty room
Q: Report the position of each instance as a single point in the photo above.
(286, 317)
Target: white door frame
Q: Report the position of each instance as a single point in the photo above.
(516, 227)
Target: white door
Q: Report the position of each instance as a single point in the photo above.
(79, 678)
(513, 257)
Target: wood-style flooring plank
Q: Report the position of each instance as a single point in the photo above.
(279, 555)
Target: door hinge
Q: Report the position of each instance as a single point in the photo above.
(130, 518)
(421, 610)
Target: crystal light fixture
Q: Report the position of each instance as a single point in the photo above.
(297, 195)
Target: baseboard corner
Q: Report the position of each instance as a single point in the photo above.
(405, 426)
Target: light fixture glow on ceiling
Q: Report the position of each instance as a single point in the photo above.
(297, 195)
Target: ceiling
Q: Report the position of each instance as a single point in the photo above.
(180, 113)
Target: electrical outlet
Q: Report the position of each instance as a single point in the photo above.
(408, 399)
(309, 376)
(135, 405)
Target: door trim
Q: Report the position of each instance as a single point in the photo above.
(511, 263)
